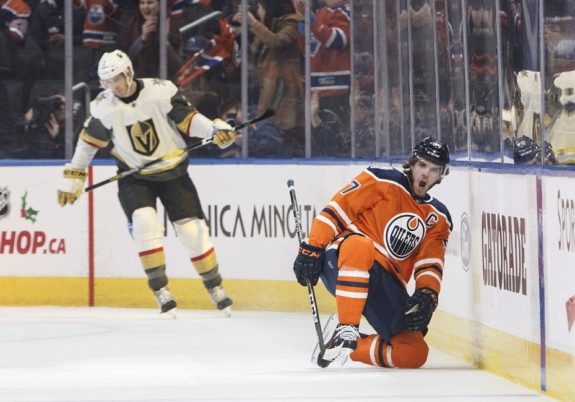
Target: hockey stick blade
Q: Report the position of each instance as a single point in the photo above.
(321, 362)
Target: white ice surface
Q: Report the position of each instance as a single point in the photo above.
(104, 354)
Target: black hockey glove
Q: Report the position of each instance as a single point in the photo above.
(419, 308)
(308, 264)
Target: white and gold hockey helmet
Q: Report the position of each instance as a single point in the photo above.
(112, 64)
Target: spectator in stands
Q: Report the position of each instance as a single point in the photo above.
(20, 59)
(47, 25)
(99, 26)
(7, 56)
(16, 14)
(277, 52)
(99, 23)
(139, 38)
(330, 61)
(47, 31)
(211, 50)
(44, 130)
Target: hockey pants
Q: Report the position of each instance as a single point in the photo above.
(383, 305)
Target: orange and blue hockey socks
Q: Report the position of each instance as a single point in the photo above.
(356, 256)
(404, 350)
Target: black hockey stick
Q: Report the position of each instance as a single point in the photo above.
(137, 169)
(312, 301)
(205, 141)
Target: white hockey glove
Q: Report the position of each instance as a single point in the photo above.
(224, 134)
(72, 185)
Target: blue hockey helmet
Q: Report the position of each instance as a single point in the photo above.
(527, 152)
(432, 150)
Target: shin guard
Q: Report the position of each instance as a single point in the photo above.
(194, 235)
(147, 231)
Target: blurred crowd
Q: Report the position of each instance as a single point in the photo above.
(347, 112)
(203, 59)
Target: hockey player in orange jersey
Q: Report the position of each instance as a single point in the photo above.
(374, 235)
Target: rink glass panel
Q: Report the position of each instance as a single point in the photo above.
(448, 69)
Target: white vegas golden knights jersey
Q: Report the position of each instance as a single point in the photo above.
(148, 127)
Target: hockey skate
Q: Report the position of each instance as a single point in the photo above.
(339, 340)
(221, 300)
(166, 301)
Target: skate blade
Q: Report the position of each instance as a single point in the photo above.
(344, 356)
(317, 358)
(341, 355)
(227, 311)
(173, 313)
(332, 355)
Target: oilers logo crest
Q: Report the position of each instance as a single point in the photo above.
(403, 234)
(96, 14)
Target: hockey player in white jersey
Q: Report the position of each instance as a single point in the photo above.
(146, 119)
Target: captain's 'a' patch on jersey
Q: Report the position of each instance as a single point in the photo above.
(144, 137)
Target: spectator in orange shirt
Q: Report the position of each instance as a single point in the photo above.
(330, 66)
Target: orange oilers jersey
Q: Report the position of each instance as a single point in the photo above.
(409, 236)
(330, 50)
(16, 14)
(99, 29)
